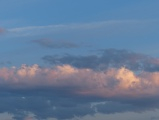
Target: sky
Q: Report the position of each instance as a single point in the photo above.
(79, 60)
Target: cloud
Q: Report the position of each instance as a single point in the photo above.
(48, 43)
(65, 91)
(109, 82)
(111, 27)
(155, 118)
(106, 59)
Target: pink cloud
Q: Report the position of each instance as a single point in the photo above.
(108, 83)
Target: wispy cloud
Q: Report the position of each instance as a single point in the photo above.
(116, 25)
(49, 43)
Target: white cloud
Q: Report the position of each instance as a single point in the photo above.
(107, 26)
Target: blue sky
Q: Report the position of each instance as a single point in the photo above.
(105, 24)
(52, 47)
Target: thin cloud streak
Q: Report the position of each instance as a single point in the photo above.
(113, 24)
(48, 43)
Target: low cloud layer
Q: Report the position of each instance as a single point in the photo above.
(111, 82)
(65, 91)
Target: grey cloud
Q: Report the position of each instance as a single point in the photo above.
(48, 105)
(48, 43)
(108, 58)
(155, 118)
(45, 99)
(42, 106)
(61, 104)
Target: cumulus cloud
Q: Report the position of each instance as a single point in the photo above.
(110, 82)
(65, 91)
(48, 43)
(106, 83)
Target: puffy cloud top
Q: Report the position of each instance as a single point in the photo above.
(107, 83)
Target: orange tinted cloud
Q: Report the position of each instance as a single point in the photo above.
(108, 83)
